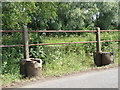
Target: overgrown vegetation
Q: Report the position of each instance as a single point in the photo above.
(57, 59)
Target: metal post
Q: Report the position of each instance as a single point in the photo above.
(98, 40)
(26, 45)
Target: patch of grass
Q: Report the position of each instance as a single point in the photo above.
(9, 78)
(71, 38)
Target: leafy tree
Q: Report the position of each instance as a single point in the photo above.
(44, 12)
(15, 15)
(108, 16)
(119, 16)
(59, 15)
(74, 16)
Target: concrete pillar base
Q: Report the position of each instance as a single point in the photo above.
(103, 58)
(30, 67)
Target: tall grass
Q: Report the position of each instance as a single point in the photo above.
(57, 59)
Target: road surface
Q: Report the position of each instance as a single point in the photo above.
(97, 79)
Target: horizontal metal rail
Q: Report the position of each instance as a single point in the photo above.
(60, 31)
(11, 45)
(62, 43)
(10, 31)
(58, 43)
(109, 30)
(48, 31)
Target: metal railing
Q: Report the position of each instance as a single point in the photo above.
(26, 39)
(51, 31)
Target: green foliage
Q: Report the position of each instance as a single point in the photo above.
(15, 15)
(11, 57)
(61, 60)
(57, 59)
(37, 52)
(108, 15)
(59, 15)
(9, 78)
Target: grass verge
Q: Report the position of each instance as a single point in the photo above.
(57, 60)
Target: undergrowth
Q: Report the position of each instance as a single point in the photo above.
(57, 59)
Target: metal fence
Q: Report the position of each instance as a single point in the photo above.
(26, 39)
(51, 31)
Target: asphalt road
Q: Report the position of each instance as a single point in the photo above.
(97, 79)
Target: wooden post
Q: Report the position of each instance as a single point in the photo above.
(98, 40)
(26, 45)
